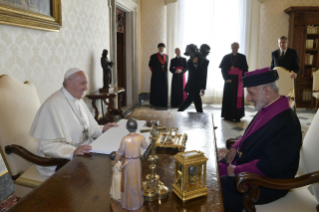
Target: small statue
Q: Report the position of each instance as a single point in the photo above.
(116, 179)
(107, 71)
(131, 181)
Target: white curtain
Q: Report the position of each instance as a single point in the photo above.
(217, 23)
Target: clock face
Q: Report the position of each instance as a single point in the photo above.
(193, 170)
(195, 176)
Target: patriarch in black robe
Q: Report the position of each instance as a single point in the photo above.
(159, 84)
(270, 145)
(178, 68)
(233, 67)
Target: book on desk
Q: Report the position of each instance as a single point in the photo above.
(110, 140)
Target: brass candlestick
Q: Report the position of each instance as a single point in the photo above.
(153, 188)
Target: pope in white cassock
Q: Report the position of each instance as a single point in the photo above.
(64, 126)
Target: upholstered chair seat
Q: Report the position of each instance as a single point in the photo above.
(315, 90)
(299, 199)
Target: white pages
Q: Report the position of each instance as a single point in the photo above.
(110, 140)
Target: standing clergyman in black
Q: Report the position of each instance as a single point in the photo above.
(178, 68)
(233, 66)
(159, 84)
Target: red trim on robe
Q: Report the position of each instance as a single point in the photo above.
(162, 61)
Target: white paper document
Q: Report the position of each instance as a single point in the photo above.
(110, 140)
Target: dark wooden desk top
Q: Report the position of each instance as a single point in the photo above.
(84, 183)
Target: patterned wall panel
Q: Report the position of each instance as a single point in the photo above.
(43, 57)
(153, 32)
(273, 24)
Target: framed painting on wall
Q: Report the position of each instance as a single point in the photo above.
(36, 14)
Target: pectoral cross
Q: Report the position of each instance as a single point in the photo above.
(85, 134)
(239, 153)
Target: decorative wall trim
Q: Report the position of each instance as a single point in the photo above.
(131, 7)
(127, 5)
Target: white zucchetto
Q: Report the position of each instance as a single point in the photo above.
(71, 71)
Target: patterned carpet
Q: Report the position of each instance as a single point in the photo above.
(8, 202)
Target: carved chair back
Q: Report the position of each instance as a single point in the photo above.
(315, 83)
(285, 83)
(18, 107)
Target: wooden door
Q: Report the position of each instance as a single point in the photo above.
(121, 52)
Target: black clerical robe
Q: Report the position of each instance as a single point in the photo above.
(159, 84)
(230, 108)
(178, 81)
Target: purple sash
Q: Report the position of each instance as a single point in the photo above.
(239, 73)
(184, 83)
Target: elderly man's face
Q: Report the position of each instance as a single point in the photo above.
(161, 49)
(283, 44)
(234, 48)
(257, 97)
(78, 85)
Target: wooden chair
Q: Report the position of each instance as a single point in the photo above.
(299, 198)
(286, 85)
(315, 89)
(19, 105)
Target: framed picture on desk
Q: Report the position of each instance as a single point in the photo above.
(36, 14)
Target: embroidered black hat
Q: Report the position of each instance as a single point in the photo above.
(259, 77)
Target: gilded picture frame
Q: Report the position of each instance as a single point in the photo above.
(25, 13)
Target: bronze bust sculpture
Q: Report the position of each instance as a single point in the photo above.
(107, 71)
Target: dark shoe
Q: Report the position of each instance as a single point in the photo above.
(215, 128)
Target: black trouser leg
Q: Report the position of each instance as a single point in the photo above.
(198, 102)
(187, 102)
(233, 200)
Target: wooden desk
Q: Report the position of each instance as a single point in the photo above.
(84, 183)
(111, 109)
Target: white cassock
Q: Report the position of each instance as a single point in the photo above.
(59, 130)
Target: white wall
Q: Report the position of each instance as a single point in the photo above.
(43, 57)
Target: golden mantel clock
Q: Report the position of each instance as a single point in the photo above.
(190, 175)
